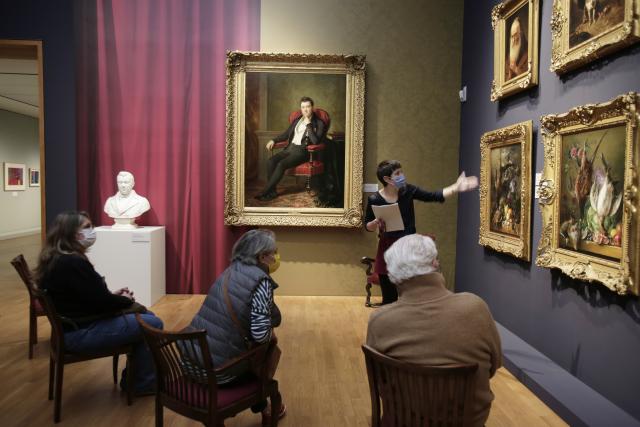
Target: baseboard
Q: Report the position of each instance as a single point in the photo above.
(20, 233)
(574, 401)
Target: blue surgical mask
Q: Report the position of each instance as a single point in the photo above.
(88, 237)
(399, 181)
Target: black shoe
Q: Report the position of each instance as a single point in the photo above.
(265, 197)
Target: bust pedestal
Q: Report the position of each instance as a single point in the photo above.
(133, 258)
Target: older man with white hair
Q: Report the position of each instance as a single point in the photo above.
(431, 325)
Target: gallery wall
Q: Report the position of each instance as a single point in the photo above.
(51, 22)
(413, 51)
(587, 330)
(20, 213)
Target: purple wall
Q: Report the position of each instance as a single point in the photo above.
(52, 22)
(589, 331)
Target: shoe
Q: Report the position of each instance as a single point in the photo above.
(266, 414)
(265, 197)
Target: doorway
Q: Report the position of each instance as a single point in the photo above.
(22, 145)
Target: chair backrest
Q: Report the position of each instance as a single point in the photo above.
(20, 264)
(319, 112)
(417, 395)
(183, 366)
(57, 331)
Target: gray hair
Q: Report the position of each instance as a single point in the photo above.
(252, 244)
(410, 256)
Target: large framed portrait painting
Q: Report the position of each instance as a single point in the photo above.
(294, 142)
(505, 190)
(589, 194)
(584, 30)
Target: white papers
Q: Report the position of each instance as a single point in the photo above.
(390, 214)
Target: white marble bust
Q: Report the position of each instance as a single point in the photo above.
(126, 205)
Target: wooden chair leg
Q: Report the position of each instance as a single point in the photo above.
(57, 397)
(51, 376)
(130, 384)
(33, 331)
(159, 412)
(276, 402)
(116, 357)
(367, 288)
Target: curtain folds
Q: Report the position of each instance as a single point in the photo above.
(151, 100)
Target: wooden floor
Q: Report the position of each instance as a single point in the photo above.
(322, 375)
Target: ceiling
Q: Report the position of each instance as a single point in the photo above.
(19, 87)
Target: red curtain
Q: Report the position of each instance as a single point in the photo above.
(151, 100)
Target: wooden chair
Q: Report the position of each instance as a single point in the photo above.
(35, 309)
(59, 356)
(372, 279)
(186, 378)
(411, 395)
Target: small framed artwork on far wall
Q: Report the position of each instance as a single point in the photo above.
(14, 177)
(34, 177)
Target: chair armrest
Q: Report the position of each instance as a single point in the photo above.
(280, 144)
(243, 357)
(315, 147)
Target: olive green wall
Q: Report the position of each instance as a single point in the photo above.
(284, 91)
(412, 112)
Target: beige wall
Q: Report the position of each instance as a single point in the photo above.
(414, 51)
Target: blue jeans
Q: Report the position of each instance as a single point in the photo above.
(116, 331)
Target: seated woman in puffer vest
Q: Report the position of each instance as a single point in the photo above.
(239, 310)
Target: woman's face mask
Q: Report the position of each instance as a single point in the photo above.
(275, 264)
(399, 181)
(88, 237)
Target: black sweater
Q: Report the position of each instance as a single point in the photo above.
(405, 204)
(78, 291)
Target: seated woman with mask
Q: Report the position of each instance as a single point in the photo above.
(80, 294)
(239, 310)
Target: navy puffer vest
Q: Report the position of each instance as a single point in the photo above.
(224, 339)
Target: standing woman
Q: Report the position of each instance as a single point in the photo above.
(79, 293)
(395, 189)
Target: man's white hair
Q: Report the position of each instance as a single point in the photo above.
(410, 256)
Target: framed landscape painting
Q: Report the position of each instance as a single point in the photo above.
(589, 194)
(584, 30)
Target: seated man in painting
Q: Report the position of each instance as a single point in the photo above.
(430, 325)
(306, 130)
(518, 55)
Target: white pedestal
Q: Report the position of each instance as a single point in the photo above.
(131, 258)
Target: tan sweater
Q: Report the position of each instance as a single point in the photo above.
(432, 326)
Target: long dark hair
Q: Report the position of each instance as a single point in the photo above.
(61, 239)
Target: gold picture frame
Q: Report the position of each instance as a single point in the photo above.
(515, 26)
(589, 194)
(581, 34)
(505, 190)
(262, 90)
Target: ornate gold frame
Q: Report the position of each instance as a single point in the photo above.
(238, 64)
(519, 247)
(499, 15)
(564, 59)
(623, 276)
